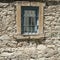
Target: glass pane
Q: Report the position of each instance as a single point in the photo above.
(25, 29)
(33, 21)
(36, 28)
(26, 21)
(29, 29)
(29, 21)
(33, 14)
(26, 13)
(33, 29)
(29, 13)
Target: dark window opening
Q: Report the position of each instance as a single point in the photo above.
(29, 20)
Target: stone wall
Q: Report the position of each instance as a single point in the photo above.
(12, 49)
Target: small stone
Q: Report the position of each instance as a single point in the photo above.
(5, 37)
(41, 47)
(10, 12)
(51, 46)
(10, 44)
(9, 28)
(32, 59)
(1, 58)
(5, 54)
(41, 59)
(4, 4)
(50, 52)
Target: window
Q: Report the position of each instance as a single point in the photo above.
(29, 20)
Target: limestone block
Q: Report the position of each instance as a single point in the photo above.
(9, 28)
(51, 46)
(48, 34)
(2, 58)
(10, 12)
(11, 8)
(54, 34)
(3, 5)
(5, 54)
(2, 45)
(41, 47)
(10, 44)
(0, 9)
(20, 44)
(4, 13)
(31, 50)
(49, 52)
(57, 43)
(5, 37)
(41, 58)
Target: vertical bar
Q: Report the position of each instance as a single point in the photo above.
(34, 21)
(31, 22)
(27, 24)
(24, 24)
(34, 25)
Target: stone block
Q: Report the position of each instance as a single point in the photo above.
(5, 37)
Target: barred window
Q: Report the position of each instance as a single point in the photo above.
(29, 20)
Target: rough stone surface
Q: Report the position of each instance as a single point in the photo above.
(12, 49)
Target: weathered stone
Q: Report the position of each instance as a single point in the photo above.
(41, 47)
(10, 44)
(3, 5)
(9, 28)
(5, 54)
(51, 46)
(41, 59)
(49, 52)
(32, 59)
(5, 37)
(2, 58)
(10, 12)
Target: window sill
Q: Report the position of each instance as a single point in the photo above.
(24, 37)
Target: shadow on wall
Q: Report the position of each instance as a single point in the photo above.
(32, 41)
(44, 1)
(8, 1)
(48, 3)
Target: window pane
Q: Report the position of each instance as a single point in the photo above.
(25, 29)
(29, 29)
(29, 21)
(33, 21)
(33, 29)
(29, 13)
(26, 13)
(33, 14)
(26, 21)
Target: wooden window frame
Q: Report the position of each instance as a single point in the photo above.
(18, 19)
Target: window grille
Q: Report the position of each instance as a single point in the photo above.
(29, 23)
